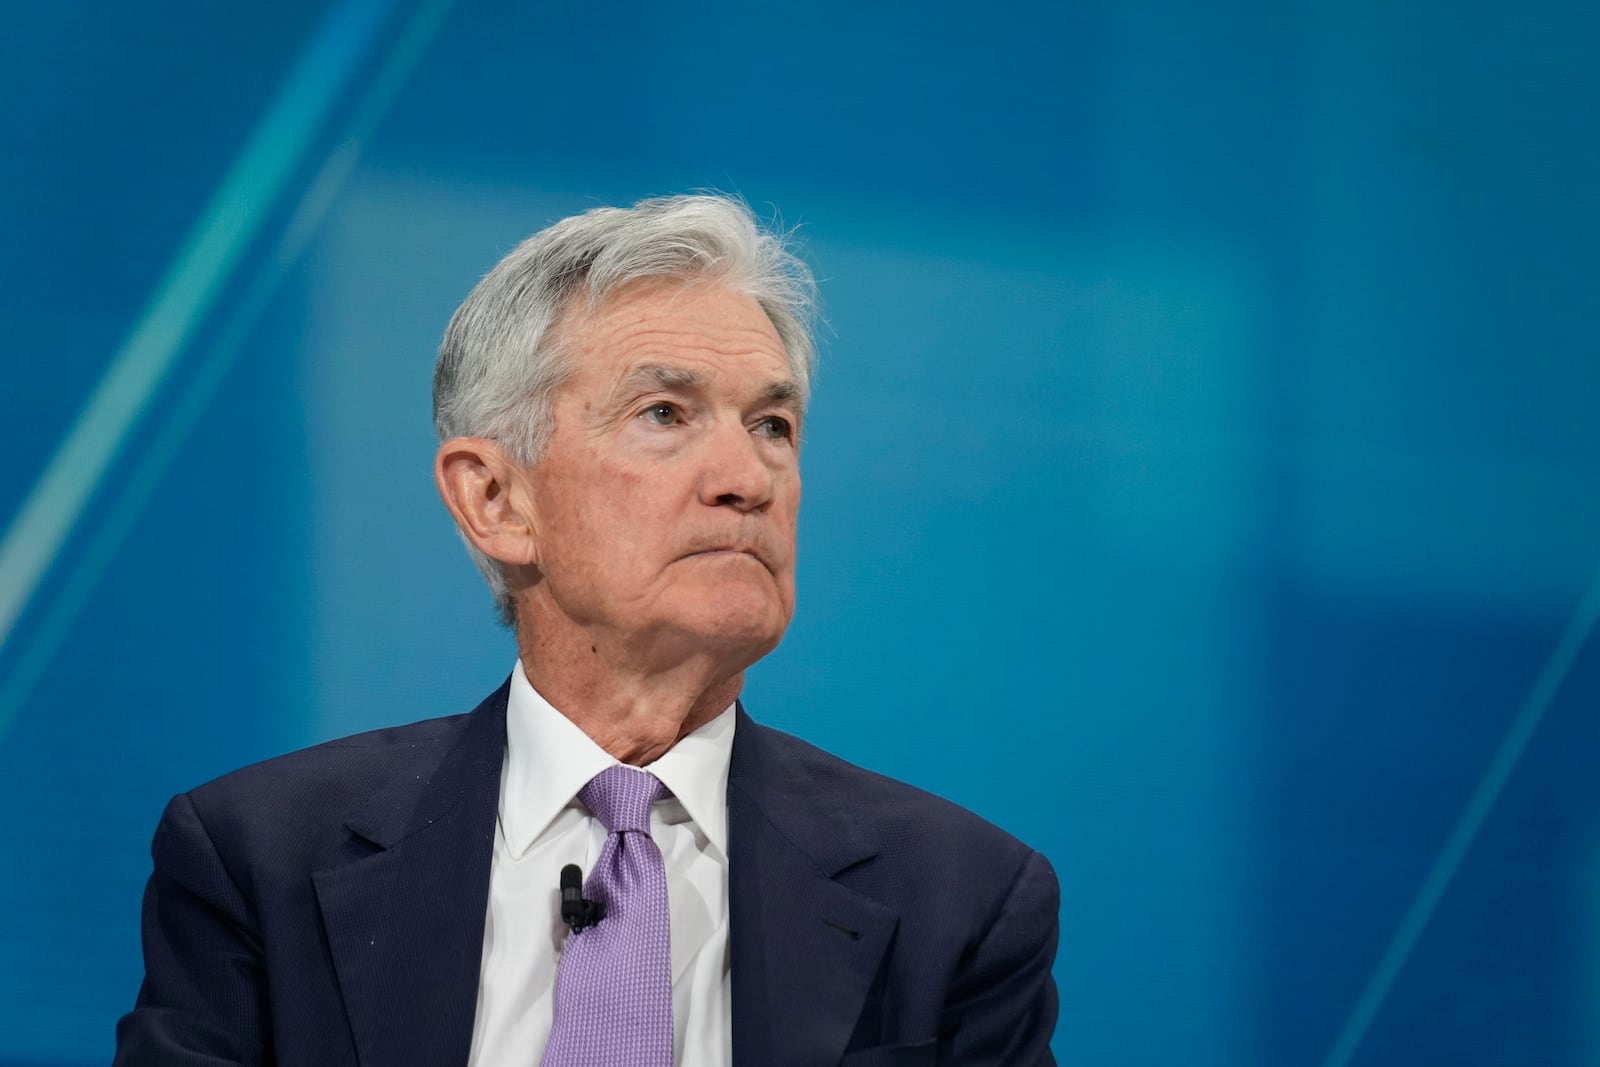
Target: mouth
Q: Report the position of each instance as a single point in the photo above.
(727, 552)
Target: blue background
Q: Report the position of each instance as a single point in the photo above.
(1201, 480)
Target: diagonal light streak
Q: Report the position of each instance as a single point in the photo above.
(1471, 820)
(223, 232)
(199, 388)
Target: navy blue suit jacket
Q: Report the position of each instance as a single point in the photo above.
(326, 908)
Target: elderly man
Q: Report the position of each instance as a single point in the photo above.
(620, 403)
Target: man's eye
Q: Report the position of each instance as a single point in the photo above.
(775, 427)
(662, 414)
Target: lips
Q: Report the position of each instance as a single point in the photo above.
(730, 549)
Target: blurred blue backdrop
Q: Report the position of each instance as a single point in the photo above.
(1201, 482)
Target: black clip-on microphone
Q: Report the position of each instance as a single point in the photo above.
(577, 912)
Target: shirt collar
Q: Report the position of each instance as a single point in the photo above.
(548, 759)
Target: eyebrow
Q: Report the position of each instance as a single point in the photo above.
(784, 392)
(648, 376)
(660, 376)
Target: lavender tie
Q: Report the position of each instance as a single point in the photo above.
(614, 981)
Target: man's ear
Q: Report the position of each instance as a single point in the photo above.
(487, 494)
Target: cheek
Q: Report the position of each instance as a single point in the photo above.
(790, 516)
(616, 532)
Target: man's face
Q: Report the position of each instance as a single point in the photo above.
(666, 499)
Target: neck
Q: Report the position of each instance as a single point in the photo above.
(636, 708)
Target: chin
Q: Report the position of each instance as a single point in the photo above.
(759, 636)
(753, 629)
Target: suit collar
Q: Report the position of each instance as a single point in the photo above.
(450, 768)
(797, 935)
(817, 821)
(405, 918)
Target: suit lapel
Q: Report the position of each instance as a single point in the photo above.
(804, 948)
(405, 922)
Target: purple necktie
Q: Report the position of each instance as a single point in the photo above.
(614, 981)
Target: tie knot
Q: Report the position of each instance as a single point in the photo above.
(620, 797)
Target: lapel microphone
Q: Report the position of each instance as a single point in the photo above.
(576, 912)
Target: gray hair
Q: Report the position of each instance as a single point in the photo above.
(502, 359)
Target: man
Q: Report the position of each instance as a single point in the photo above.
(620, 403)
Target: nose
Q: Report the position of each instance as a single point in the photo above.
(736, 473)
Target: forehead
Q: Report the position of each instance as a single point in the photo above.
(704, 324)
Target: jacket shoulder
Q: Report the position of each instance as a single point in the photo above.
(296, 812)
(898, 816)
(346, 765)
(975, 912)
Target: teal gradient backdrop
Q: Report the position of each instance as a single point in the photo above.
(1201, 482)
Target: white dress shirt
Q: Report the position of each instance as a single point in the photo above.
(543, 827)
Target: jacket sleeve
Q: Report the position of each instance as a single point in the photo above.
(204, 997)
(1002, 1008)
